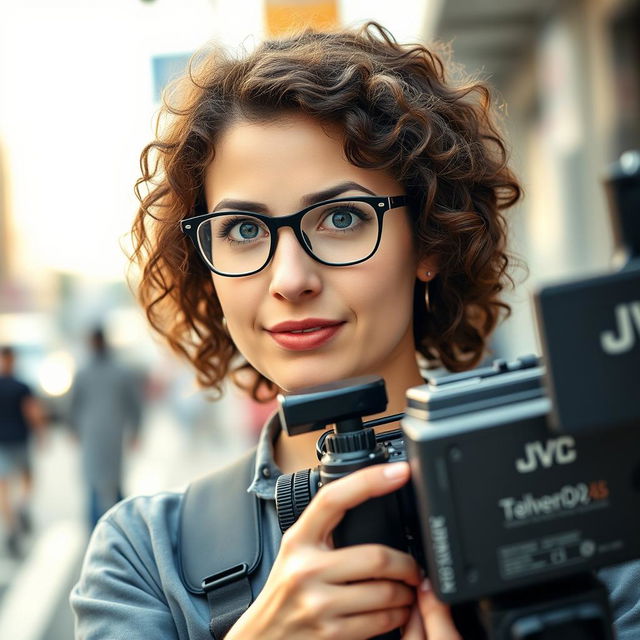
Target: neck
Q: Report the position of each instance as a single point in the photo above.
(298, 452)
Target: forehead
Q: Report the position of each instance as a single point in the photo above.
(280, 160)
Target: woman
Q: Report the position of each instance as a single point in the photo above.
(325, 207)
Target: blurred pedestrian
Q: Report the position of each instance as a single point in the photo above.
(105, 412)
(21, 415)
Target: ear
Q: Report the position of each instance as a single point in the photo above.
(427, 268)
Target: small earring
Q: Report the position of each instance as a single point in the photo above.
(428, 274)
(426, 297)
(224, 325)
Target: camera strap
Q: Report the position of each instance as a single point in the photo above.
(217, 510)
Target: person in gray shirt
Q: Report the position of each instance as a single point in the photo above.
(324, 207)
(105, 414)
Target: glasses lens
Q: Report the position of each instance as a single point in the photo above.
(235, 243)
(341, 232)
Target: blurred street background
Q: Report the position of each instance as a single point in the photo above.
(80, 83)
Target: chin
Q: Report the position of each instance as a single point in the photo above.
(294, 380)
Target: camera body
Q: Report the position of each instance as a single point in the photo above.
(498, 501)
(505, 503)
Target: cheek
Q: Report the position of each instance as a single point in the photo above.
(235, 302)
(394, 273)
(384, 293)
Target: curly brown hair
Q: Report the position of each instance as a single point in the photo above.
(399, 112)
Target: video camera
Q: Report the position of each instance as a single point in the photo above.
(525, 478)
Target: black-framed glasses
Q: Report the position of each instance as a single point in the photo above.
(339, 232)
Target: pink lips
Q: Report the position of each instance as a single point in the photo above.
(304, 335)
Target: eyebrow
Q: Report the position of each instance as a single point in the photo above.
(307, 200)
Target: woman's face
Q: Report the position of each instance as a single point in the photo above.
(356, 319)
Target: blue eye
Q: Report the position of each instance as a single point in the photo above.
(342, 219)
(248, 230)
(239, 229)
(345, 217)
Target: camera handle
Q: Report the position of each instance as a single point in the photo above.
(352, 446)
(349, 446)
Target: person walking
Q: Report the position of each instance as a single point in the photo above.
(21, 415)
(106, 406)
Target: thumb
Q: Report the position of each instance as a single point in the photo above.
(414, 630)
(436, 616)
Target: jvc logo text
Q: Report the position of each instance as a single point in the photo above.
(626, 316)
(554, 451)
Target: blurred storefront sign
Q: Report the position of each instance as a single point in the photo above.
(282, 16)
(166, 68)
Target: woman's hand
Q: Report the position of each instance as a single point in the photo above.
(316, 591)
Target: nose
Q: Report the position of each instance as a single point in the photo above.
(294, 274)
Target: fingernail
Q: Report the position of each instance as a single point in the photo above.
(395, 470)
(425, 585)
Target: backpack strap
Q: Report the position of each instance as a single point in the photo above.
(220, 541)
